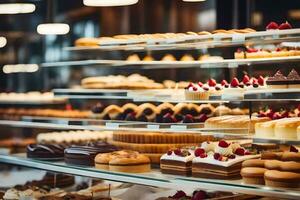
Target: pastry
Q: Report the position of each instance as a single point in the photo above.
(207, 109)
(287, 129)
(178, 161)
(278, 81)
(85, 155)
(234, 121)
(222, 110)
(168, 57)
(165, 108)
(133, 58)
(123, 161)
(148, 58)
(187, 57)
(253, 175)
(274, 178)
(254, 163)
(293, 79)
(196, 92)
(129, 108)
(111, 111)
(288, 166)
(147, 109)
(90, 42)
(45, 151)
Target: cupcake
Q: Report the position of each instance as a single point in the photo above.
(196, 92)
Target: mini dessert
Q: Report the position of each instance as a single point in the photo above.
(178, 161)
(187, 57)
(288, 166)
(253, 175)
(254, 163)
(133, 58)
(123, 161)
(224, 162)
(293, 79)
(274, 178)
(148, 58)
(148, 109)
(278, 81)
(45, 151)
(234, 91)
(168, 57)
(85, 155)
(196, 92)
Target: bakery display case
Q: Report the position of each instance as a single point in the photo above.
(185, 115)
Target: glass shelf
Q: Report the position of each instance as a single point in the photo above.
(191, 42)
(226, 63)
(153, 178)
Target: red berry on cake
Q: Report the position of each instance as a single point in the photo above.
(294, 149)
(169, 153)
(252, 50)
(247, 153)
(200, 84)
(224, 82)
(240, 151)
(195, 88)
(202, 118)
(261, 81)
(199, 152)
(217, 156)
(232, 156)
(284, 26)
(223, 144)
(212, 82)
(234, 83)
(179, 195)
(204, 155)
(177, 152)
(246, 79)
(272, 26)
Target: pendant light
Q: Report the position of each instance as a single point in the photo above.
(193, 0)
(51, 28)
(16, 8)
(103, 3)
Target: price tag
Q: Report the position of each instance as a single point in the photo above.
(179, 127)
(238, 38)
(232, 65)
(112, 125)
(153, 126)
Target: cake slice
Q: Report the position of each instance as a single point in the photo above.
(178, 162)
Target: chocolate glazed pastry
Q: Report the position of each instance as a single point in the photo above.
(45, 151)
(85, 155)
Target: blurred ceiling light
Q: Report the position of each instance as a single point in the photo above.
(193, 0)
(20, 68)
(3, 42)
(53, 29)
(16, 8)
(109, 2)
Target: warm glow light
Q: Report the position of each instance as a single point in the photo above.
(26, 68)
(3, 42)
(16, 8)
(193, 0)
(109, 2)
(53, 29)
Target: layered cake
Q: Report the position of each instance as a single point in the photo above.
(177, 161)
(224, 161)
(45, 151)
(85, 155)
(123, 161)
(279, 81)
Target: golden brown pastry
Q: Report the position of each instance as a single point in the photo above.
(129, 108)
(253, 175)
(133, 57)
(147, 109)
(187, 57)
(148, 58)
(274, 178)
(168, 57)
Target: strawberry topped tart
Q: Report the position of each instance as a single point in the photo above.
(222, 160)
(200, 91)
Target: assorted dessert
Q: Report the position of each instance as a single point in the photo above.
(163, 113)
(133, 82)
(274, 169)
(233, 90)
(279, 81)
(210, 160)
(117, 39)
(170, 57)
(154, 144)
(31, 97)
